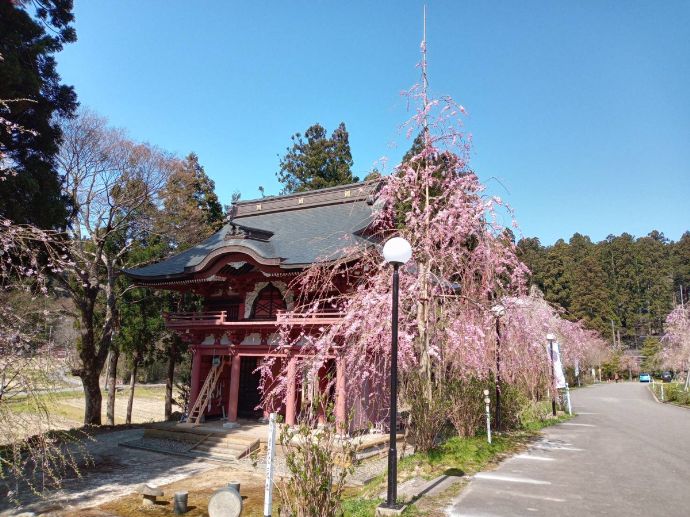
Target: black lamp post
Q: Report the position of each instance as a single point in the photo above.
(396, 251)
(551, 338)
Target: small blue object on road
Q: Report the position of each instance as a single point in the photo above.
(645, 377)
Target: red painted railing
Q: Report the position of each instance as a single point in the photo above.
(220, 318)
(190, 318)
(309, 318)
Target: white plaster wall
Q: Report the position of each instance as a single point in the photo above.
(252, 339)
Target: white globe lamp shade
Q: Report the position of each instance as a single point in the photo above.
(397, 251)
(550, 337)
(498, 310)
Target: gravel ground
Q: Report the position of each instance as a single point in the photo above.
(366, 470)
(117, 471)
(161, 444)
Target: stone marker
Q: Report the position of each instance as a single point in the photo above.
(180, 502)
(149, 494)
(235, 485)
(225, 502)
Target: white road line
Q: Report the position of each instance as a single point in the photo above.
(530, 496)
(578, 425)
(558, 448)
(530, 457)
(510, 479)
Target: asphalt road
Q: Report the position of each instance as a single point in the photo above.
(623, 454)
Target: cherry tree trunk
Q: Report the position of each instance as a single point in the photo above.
(92, 396)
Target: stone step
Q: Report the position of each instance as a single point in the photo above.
(244, 440)
(172, 435)
(226, 458)
(233, 451)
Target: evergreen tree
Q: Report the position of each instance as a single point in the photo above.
(191, 209)
(32, 96)
(633, 283)
(651, 354)
(680, 260)
(315, 161)
(618, 261)
(557, 275)
(590, 296)
(655, 283)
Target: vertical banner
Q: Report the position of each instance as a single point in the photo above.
(270, 454)
(558, 366)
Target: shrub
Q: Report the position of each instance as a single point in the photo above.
(318, 460)
(466, 406)
(534, 412)
(428, 418)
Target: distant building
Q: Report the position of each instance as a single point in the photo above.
(243, 272)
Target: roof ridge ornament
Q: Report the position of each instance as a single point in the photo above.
(238, 232)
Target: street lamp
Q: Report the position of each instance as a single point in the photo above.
(551, 338)
(498, 310)
(396, 251)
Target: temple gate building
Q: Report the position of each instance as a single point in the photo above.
(244, 274)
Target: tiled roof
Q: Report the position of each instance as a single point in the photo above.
(288, 231)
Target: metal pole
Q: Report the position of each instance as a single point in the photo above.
(497, 420)
(567, 394)
(487, 401)
(270, 453)
(553, 381)
(392, 449)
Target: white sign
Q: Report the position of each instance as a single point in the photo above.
(270, 453)
(558, 367)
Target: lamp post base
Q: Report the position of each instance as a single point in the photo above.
(383, 510)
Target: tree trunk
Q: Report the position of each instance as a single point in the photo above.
(169, 382)
(132, 383)
(423, 329)
(92, 397)
(112, 381)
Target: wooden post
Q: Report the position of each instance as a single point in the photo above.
(290, 401)
(340, 403)
(234, 388)
(196, 377)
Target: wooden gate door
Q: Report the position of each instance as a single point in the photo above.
(249, 396)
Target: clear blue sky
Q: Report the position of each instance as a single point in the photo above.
(579, 111)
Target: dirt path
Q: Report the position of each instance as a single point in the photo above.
(116, 472)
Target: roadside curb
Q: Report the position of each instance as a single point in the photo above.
(682, 406)
(649, 388)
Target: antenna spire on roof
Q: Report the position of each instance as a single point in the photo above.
(425, 81)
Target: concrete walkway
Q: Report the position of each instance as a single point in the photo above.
(624, 454)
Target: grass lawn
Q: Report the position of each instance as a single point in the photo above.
(454, 457)
(66, 408)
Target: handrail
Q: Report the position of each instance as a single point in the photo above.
(214, 316)
(296, 317)
(282, 317)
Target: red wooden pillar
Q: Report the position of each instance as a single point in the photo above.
(234, 388)
(321, 384)
(340, 403)
(196, 376)
(291, 392)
